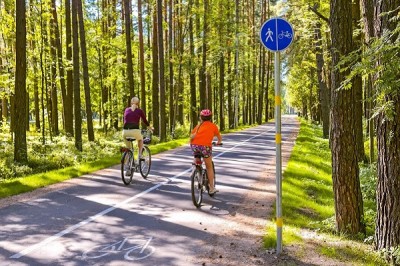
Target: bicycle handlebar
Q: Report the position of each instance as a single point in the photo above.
(216, 144)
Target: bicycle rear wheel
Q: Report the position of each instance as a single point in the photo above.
(126, 167)
(197, 187)
(145, 162)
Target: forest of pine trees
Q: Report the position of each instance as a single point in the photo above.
(68, 67)
(85, 60)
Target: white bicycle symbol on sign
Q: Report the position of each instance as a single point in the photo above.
(286, 34)
(138, 251)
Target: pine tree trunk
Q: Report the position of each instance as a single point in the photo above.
(345, 171)
(141, 59)
(387, 229)
(163, 124)
(221, 93)
(203, 70)
(357, 90)
(229, 94)
(155, 90)
(269, 72)
(32, 28)
(254, 45)
(69, 96)
(105, 89)
(323, 89)
(237, 40)
(262, 87)
(268, 76)
(53, 80)
(192, 74)
(43, 82)
(172, 94)
(367, 8)
(128, 42)
(180, 45)
(86, 85)
(59, 59)
(77, 93)
(19, 114)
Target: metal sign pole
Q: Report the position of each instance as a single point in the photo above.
(278, 140)
(276, 34)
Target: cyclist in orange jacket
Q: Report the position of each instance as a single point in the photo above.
(201, 142)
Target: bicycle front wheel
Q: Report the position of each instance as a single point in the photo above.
(215, 181)
(139, 253)
(145, 162)
(197, 187)
(126, 167)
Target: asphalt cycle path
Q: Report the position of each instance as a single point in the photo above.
(96, 220)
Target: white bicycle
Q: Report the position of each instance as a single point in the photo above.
(133, 249)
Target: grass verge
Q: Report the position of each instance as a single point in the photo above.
(308, 206)
(29, 183)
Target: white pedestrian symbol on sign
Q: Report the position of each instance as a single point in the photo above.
(269, 35)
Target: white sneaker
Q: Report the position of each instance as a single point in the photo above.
(212, 191)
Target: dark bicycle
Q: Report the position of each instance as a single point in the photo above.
(199, 179)
(128, 163)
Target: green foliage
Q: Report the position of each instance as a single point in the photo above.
(383, 50)
(368, 180)
(302, 83)
(155, 139)
(16, 186)
(181, 131)
(392, 255)
(55, 154)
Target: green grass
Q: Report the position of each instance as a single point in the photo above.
(28, 183)
(308, 204)
(307, 184)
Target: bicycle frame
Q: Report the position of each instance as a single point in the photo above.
(198, 163)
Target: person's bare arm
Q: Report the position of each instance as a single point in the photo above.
(219, 139)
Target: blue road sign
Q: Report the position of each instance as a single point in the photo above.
(276, 34)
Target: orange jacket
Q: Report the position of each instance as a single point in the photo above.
(205, 134)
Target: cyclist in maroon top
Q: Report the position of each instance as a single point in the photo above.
(132, 116)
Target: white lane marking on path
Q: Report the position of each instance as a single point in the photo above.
(100, 214)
